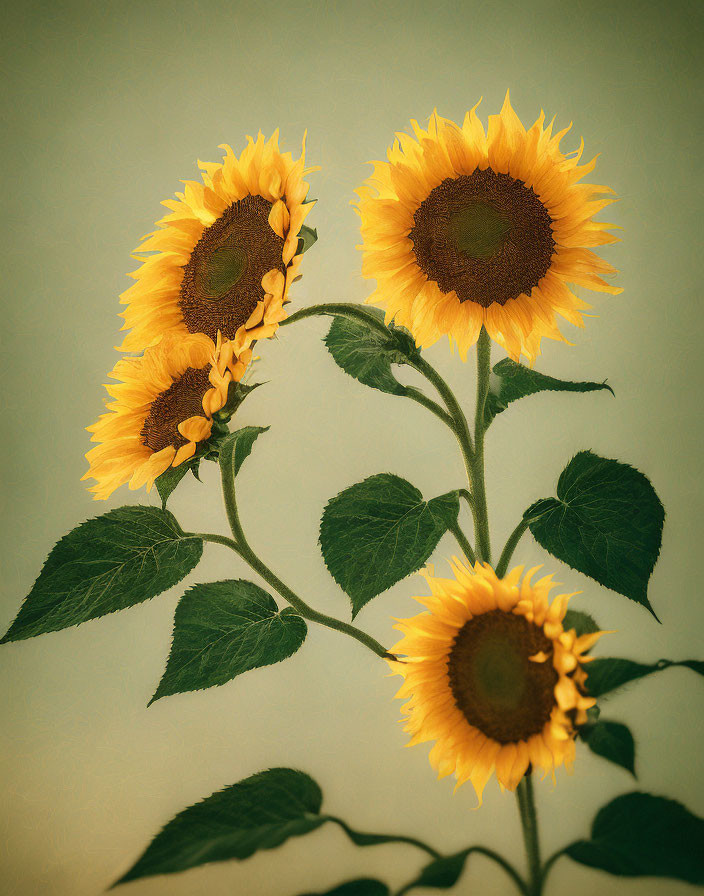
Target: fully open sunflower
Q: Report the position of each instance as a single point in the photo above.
(463, 228)
(224, 258)
(162, 407)
(492, 676)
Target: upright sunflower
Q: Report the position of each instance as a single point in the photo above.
(162, 407)
(224, 258)
(492, 676)
(463, 229)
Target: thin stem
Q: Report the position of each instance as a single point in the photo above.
(547, 867)
(481, 513)
(379, 839)
(429, 404)
(243, 548)
(338, 309)
(463, 542)
(490, 854)
(529, 822)
(510, 547)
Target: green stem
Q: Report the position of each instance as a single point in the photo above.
(379, 839)
(463, 542)
(481, 513)
(338, 309)
(510, 547)
(490, 854)
(529, 822)
(429, 404)
(242, 547)
(547, 867)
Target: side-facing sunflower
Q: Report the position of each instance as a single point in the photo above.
(225, 256)
(492, 676)
(162, 407)
(463, 229)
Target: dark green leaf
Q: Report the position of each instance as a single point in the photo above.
(364, 886)
(236, 448)
(261, 812)
(606, 522)
(442, 873)
(367, 354)
(639, 835)
(114, 561)
(223, 629)
(236, 394)
(379, 531)
(307, 237)
(169, 479)
(613, 741)
(581, 622)
(511, 381)
(606, 674)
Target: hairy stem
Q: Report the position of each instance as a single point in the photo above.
(463, 542)
(481, 513)
(510, 547)
(529, 823)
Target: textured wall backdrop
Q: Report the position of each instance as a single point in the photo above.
(106, 107)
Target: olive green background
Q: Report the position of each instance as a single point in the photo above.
(106, 107)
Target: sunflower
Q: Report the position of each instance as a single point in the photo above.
(223, 259)
(492, 676)
(463, 229)
(162, 407)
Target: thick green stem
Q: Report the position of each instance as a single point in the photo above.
(481, 513)
(529, 822)
(510, 547)
(240, 544)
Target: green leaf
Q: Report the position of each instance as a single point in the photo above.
(442, 873)
(613, 741)
(169, 479)
(606, 674)
(377, 532)
(363, 886)
(511, 381)
(236, 448)
(581, 622)
(223, 629)
(260, 812)
(106, 564)
(367, 354)
(639, 835)
(236, 394)
(606, 522)
(307, 237)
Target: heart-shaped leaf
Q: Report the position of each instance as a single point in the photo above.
(606, 522)
(377, 532)
(223, 629)
(114, 561)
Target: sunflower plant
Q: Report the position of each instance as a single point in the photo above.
(478, 235)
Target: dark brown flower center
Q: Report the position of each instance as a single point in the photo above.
(183, 399)
(222, 282)
(496, 685)
(485, 236)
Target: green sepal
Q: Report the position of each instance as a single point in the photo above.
(511, 381)
(236, 394)
(366, 353)
(612, 741)
(380, 530)
(223, 629)
(581, 622)
(641, 835)
(363, 886)
(260, 812)
(606, 523)
(307, 237)
(169, 479)
(117, 560)
(236, 448)
(607, 674)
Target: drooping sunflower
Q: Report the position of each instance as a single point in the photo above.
(463, 229)
(491, 676)
(162, 407)
(223, 259)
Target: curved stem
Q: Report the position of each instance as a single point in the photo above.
(529, 822)
(481, 513)
(547, 867)
(508, 868)
(242, 547)
(510, 547)
(467, 495)
(338, 309)
(429, 404)
(463, 542)
(379, 839)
